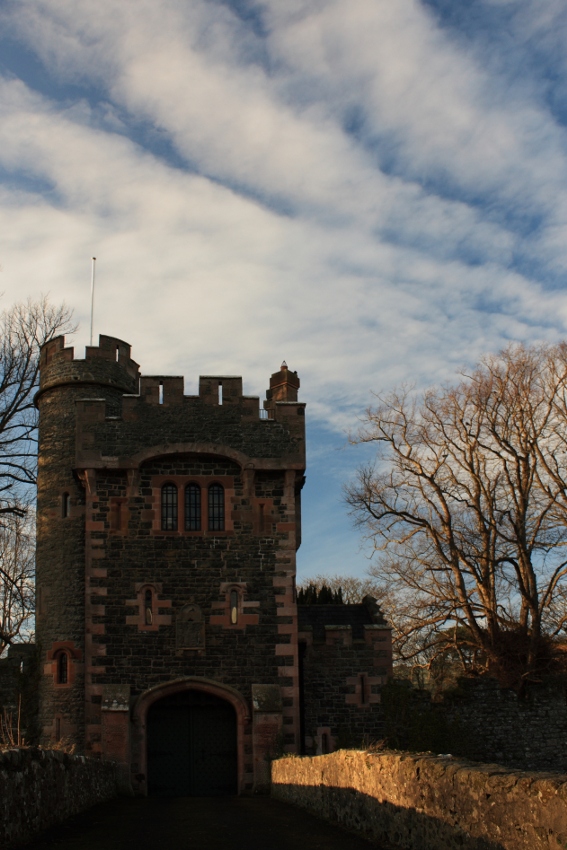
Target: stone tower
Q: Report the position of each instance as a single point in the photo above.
(167, 533)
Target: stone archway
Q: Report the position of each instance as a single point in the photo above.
(164, 704)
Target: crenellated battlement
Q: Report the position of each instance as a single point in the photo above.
(110, 348)
(108, 364)
(217, 390)
(118, 412)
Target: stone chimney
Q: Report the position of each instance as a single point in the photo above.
(283, 385)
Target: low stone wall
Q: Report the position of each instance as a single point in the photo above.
(428, 803)
(41, 788)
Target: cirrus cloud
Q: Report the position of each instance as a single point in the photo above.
(374, 191)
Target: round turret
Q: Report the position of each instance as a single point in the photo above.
(106, 373)
(108, 364)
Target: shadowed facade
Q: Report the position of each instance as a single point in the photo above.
(167, 534)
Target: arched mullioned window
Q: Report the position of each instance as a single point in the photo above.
(216, 507)
(192, 507)
(169, 507)
(62, 668)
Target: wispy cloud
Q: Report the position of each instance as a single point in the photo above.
(375, 191)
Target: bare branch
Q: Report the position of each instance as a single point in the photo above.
(23, 330)
(466, 508)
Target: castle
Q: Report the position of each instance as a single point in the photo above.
(167, 623)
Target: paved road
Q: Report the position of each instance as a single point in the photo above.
(193, 823)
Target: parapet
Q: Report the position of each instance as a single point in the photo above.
(226, 391)
(220, 389)
(109, 348)
(344, 623)
(219, 406)
(108, 364)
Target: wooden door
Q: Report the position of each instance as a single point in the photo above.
(191, 739)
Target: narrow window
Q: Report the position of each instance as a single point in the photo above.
(66, 505)
(363, 689)
(148, 606)
(169, 507)
(57, 728)
(192, 507)
(216, 507)
(160, 393)
(324, 743)
(115, 515)
(62, 669)
(234, 607)
(117, 353)
(262, 526)
(220, 392)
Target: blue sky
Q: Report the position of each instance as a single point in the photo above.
(373, 190)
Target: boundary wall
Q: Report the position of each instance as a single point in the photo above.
(41, 788)
(426, 802)
(479, 720)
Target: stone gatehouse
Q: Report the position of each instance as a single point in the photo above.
(167, 622)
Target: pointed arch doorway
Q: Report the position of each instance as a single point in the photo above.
(192, 746)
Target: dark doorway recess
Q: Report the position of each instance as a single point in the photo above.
(191, 746)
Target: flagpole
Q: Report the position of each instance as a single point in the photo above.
(92, 296)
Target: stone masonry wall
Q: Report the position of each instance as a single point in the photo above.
(428, 803)
(481, 721)
(41, 788)
(342, 680)
(183, 569)
(526, 732)
(9, 669)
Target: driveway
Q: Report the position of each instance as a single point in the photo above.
(197, 823)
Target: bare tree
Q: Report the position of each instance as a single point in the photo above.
(23, 330)
(17, 571)
(466, 506)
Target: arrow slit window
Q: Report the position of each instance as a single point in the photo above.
(149, 607)
(234, 607)
(62, 668)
